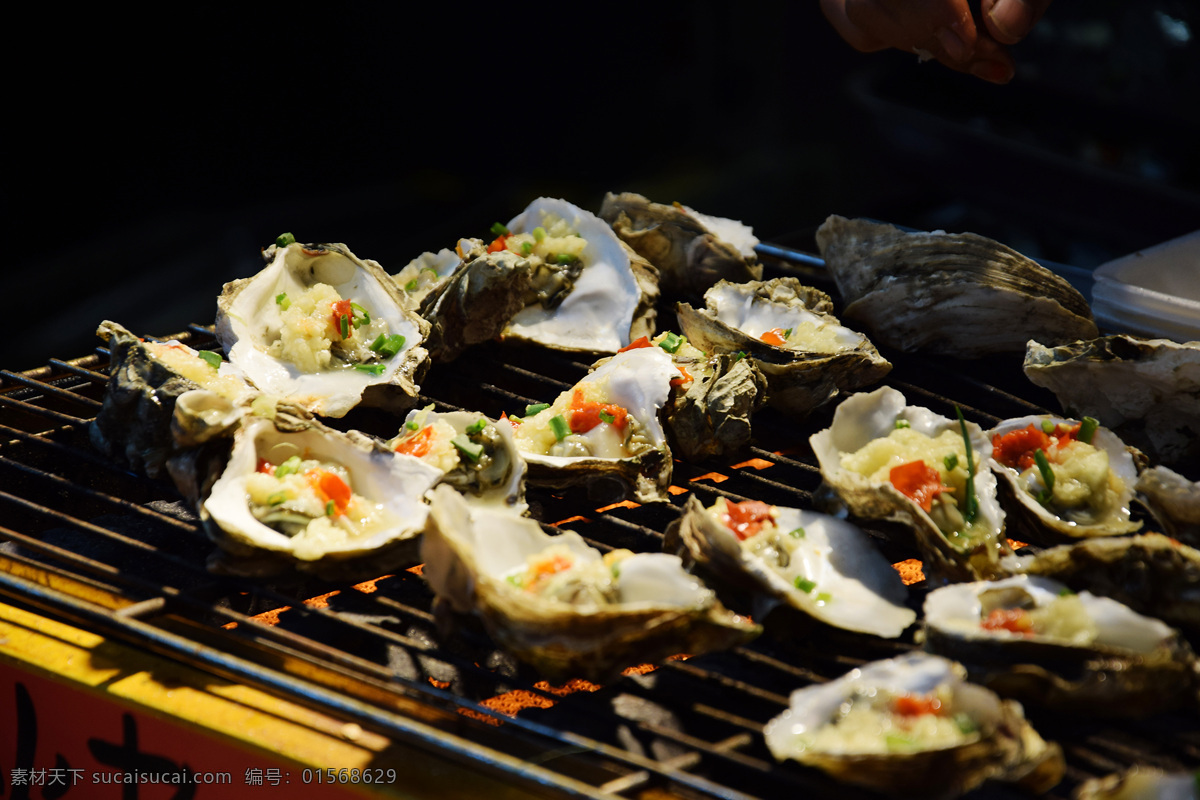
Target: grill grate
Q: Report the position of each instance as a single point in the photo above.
(87, 542)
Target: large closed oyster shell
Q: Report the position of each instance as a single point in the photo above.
(605, 616)
(389, 485)
(252, 327)
(1146, 390)
(1087, 501)
(133, 426)
(975, 737)
(883, 421)
(1083, 653)
(815, 359)
(823, 566)
(692, 251)
(954, 294)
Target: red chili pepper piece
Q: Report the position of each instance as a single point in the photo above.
(1016, 449)
(1014, 620)
(587, 414)
(330, 487)
(685, 377)
(746, 518)
(498, 244)
(774, 336)
(919, 482)
(641, 341)
(419, 444)
(342, 309)
(911, 705)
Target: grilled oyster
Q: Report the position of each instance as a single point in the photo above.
(425, 273)
(324, 329)
(606, 426)
(1030, 638)
(1142, 783)
(821, 565)
(692, 251)
(133, 426)
(788, 330)
(1146, 390)
(558, 604)
(913, 726)
(1091, 473)
(926, 291)
(1174, 501)
(298, 494)
(889, 460)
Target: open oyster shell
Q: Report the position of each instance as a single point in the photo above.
(273, 354)
(955, 294)
(971, 737)
(1146, 390)
(817, 358)
(692, 251)
(968, 552)
(823, 566)
(425, 273)
(1091, 498)
(1174, 501)
(642, 608)
(1141, 783)
(1082, 653)
(375, 531)
(632, 449)
(133, 426)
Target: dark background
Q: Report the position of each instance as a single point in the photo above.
(150, 158)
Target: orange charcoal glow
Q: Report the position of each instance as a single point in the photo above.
(673, 489)
(622, 504)
(569, 520)
(754, 463)
(715, 477)
(911, 571)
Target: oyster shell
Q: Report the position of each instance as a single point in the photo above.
(851, 729)
(557, 604)
(133, 426)
(692, 251)
(425, 273)
(788, 330)
(273, 507)
(1146, 390)
(1141, 783)
(606, 426)
(1150, 573)
(302, 351)
(954, 294)
(877, 431)
(1174, 501)
(1094, 483)
(1029, 638)
(821, 565)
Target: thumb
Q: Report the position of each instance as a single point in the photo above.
(1010, 21)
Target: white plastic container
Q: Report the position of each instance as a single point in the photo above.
(1153, 292)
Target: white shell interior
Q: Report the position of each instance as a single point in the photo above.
(754, 316)
(732, 231)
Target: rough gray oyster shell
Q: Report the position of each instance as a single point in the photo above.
(1174, 501)
(1100, 658)
(644, 609)
(1146, 390)
(692, 251)
(820, 357)
(1141, 783)
(953, 294)
(711, 415)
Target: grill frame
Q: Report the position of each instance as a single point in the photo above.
(688, 728)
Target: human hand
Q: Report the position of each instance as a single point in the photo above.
(941, 29)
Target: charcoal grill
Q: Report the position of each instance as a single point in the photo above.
(86, 543)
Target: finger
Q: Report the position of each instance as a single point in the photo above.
(991, 61)
(1009, 21)
(835, 12)
(943, 28)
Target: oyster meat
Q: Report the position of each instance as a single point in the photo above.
(1080, 486)
(1146, 390)
(1032, 639)
(606, 426)
(562, 606)
(954, 294)
(913, 726)
(324, 329)
(692, 251)
(146, 378)
(821, 565)
(888, 460)
(295, 493)
(788, 330)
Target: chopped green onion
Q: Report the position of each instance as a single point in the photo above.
(787, 333)
(896, 741)
(564, 258)
(739, 355)
(213, 359)
(972, 505)
(951, 461)
(607, 417)
(797, 533)
(289, 467)
(1087, 429)
(536, 408)
(499, 229)
(330, 507)
(476, 426)
(824, 597)
(1043, 465)
(964, 722)
(388, 345)
(901, 424)
(1048, 426)
(671, 342)
(284, 239)
(344, 324)
(412, 425)
(804, 584)
(411, 286)
(526, 248)
(370, 369)
(1065, 592)
(616, 570)
(516, 580)
(471, 450)
(282, 301)
(539, 233)
(559, 426)
(364, 319)
(277, 498)
(430, 270)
